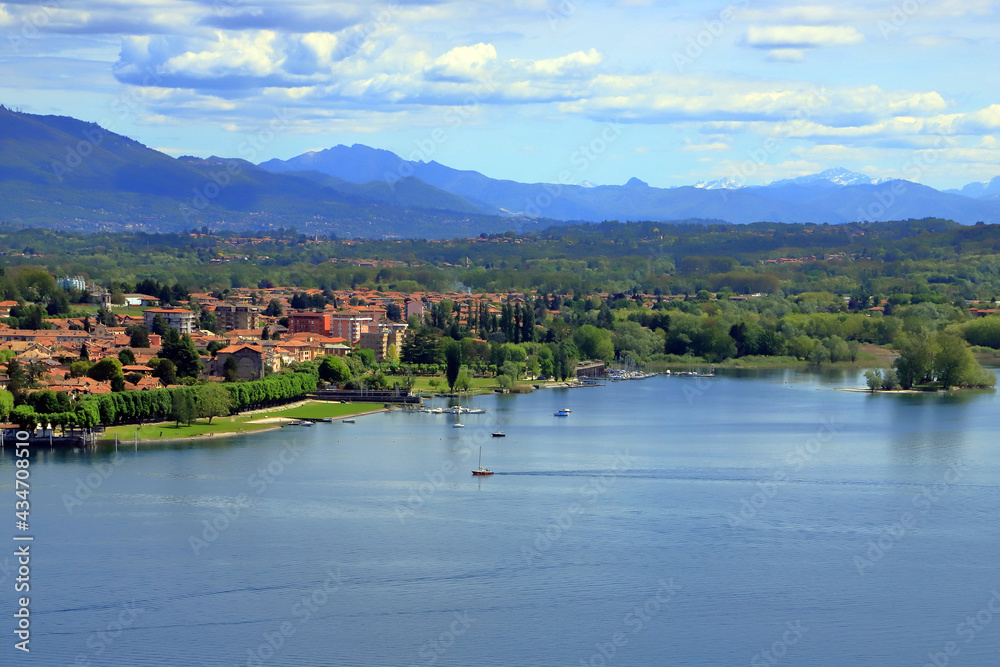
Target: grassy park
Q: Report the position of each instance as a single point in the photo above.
(237, 423)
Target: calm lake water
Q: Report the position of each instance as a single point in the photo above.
(749, 519)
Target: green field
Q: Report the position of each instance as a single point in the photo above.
(237, 423)
(479, 385)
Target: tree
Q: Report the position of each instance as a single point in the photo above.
(334, 369)
(84, 352)
(6, 404)
(954, 362)
(105, 369)
(182, 407)
(127, 357)
(230, 369)
(511, 369)
(79, 368)
(366, 355)
(214, 400)
(265, 333)
(35, 371)
(106, 317)
(274, 308)
(889, 379)
(181, 351)
(915, 360)
(394, 313)
(166, 371)
(16, 380)
(874, 380)
(463, 382)
(594, 343)
(392, 354)
(138, 335)
(453, 362)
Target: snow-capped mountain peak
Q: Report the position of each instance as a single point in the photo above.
(719, 184)
(835, 175)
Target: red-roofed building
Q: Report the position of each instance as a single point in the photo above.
(249, 361)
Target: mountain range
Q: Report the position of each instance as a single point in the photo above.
(835, 196)
(60, 172)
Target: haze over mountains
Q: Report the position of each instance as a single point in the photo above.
(61, 172)
(835, 196)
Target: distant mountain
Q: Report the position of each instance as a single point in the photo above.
(834, 176)
(836, 195)
(988, 190)
(61, 172)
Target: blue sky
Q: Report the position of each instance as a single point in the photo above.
(670, 92)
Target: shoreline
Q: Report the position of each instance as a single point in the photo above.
(226, 434)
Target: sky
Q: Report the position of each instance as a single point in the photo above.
(670, 92)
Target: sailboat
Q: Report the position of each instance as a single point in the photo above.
(481, 470)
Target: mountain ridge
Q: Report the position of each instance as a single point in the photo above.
(805, 198)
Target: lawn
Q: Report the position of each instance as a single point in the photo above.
(237, 423)
(320, 409)
(479, 385)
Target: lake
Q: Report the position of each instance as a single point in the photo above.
(753, 518)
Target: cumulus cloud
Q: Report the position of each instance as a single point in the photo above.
(464, 63)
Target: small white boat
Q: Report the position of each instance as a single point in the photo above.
(458, 425)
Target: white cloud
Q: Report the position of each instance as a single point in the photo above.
(786, 55)
(465, 63)
(801, 36)
(243, 55)
(701, 148)
(577, 63)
